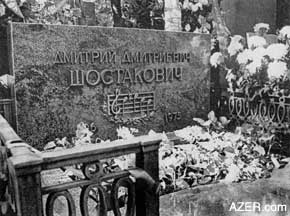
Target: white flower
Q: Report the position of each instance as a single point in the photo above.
(245, 56)
(209, 146)
(83, 134)
(203, 2)
(256, 41)
(277, 51)
(230, 76)
(124, 133)
(7, 80)
(67, 13)
(51, 10)
(216, 59)
(254, 66)
(277, 69)
(185, 5)
(187, 27)
(284, 32)
(234, 48)
(236, 38)
(40, 4)
(259, 26)
(82, 130)
(235, 45)
(195, 7)
(233, 174)
(2, 10)
(185, 133)
(258, 53)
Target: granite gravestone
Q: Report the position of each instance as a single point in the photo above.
(106, 78)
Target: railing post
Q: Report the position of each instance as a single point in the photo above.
(27, 190)
(148, 204)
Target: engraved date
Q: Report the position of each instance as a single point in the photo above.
(172, 117)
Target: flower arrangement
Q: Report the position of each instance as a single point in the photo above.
(257, 73)
(196, 16)
(209, 153)
(258, 65)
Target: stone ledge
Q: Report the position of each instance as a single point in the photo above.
(216, 199)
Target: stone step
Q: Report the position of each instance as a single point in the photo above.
(224, 199)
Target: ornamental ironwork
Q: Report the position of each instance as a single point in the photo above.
(262, 107)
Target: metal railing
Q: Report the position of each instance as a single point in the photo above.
(269, 109)
(21, 167)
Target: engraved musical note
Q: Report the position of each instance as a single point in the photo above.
(130, 103)
(125, 99)
(148, 105)
(134, 101)
(115, 107)
(143, 99)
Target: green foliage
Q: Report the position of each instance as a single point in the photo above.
(196, 16)
(138, 13)
(56, 12)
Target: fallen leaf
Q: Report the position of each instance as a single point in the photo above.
(233, 174)
(275, 162)
(181, 184)
(199, 120)
(224, 121)
(259, 149)
(265, 139)
(49, 146)
(207, 123)
(211, 116)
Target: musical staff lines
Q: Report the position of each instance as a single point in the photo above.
(130, 103)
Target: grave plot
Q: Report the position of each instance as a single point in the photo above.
(92, 83)
(104, 82)
(106, 78)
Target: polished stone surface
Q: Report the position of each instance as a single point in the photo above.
(163, 88)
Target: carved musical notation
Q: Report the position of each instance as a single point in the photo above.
(130, 103)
